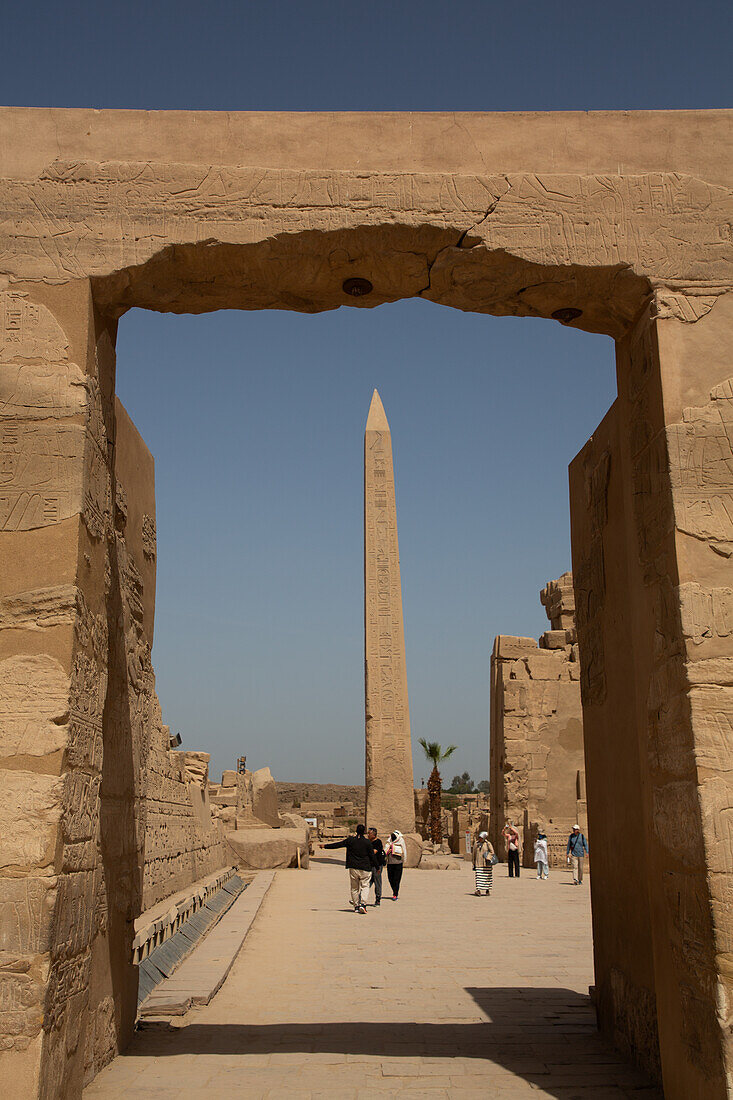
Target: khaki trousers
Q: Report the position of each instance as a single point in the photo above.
(359, 881)
(577, 865)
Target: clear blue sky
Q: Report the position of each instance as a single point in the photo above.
(256, 420)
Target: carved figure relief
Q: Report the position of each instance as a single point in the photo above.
(34, 705)
(701, 470)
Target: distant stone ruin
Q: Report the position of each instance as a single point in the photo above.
(537, 759)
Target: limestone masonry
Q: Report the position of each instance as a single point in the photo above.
(612, 222)
(389, 791)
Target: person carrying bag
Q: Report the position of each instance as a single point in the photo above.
(484, 859)
(396, 852)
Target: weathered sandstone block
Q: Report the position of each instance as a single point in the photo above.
(260, 849)
(264, 797)
(30, 812)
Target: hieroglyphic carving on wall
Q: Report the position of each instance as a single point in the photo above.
(180, 203)
(102, 217)
(29, 333)
(30, 811)
(689, 306)
(97, 502)
(37, 390)
(712, 717)
(701, 470)
(40, 474)
(22, 988)
(705, 613)
(26, 907)
(34, 705)
(42, 396)
(595, 220)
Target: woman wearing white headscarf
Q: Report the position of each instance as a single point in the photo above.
(483, 864)
(396, 852)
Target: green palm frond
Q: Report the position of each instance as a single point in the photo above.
(435, 752)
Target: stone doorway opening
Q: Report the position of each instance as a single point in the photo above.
(279, 415)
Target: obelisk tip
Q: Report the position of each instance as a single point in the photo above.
(377, 419)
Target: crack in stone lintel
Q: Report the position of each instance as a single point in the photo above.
(460, 242)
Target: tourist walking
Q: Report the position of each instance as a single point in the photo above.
(511, 835)
(577, 850)
(376, 879)
(541, 857)
(483, 864)
(360, 862)
(396, 853)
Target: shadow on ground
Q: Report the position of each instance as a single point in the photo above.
(546, 1036)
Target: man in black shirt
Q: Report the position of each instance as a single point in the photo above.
(360, 862)
(381, 860)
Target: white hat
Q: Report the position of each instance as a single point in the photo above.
(482, 836)
(577, 827)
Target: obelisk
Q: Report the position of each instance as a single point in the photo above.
(389, 785)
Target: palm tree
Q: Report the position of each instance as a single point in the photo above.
(435, 752)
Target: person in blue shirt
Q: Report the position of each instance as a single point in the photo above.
(577, 850)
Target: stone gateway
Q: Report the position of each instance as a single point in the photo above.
(613, 222)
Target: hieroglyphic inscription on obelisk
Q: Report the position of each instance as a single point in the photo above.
(389, 789)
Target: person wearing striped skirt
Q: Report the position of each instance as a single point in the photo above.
(483, 866)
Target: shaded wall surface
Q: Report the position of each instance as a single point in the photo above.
(618, 817)
(652, 533)
(614, 222)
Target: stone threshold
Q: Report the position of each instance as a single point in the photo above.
(161, 955)
(199, 976)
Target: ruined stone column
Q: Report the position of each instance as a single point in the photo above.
(389, 784)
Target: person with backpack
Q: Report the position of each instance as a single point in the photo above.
(577, 850)
(396, 852)
(360, 862)
(381, 858)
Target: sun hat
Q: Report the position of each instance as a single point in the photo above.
(483, 836)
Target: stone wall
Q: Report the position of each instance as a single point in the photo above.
(537, 726)
(183, 841)
(291, 793)
(95, 798)
(179, 841)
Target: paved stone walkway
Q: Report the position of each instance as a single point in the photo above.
(441, 994)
